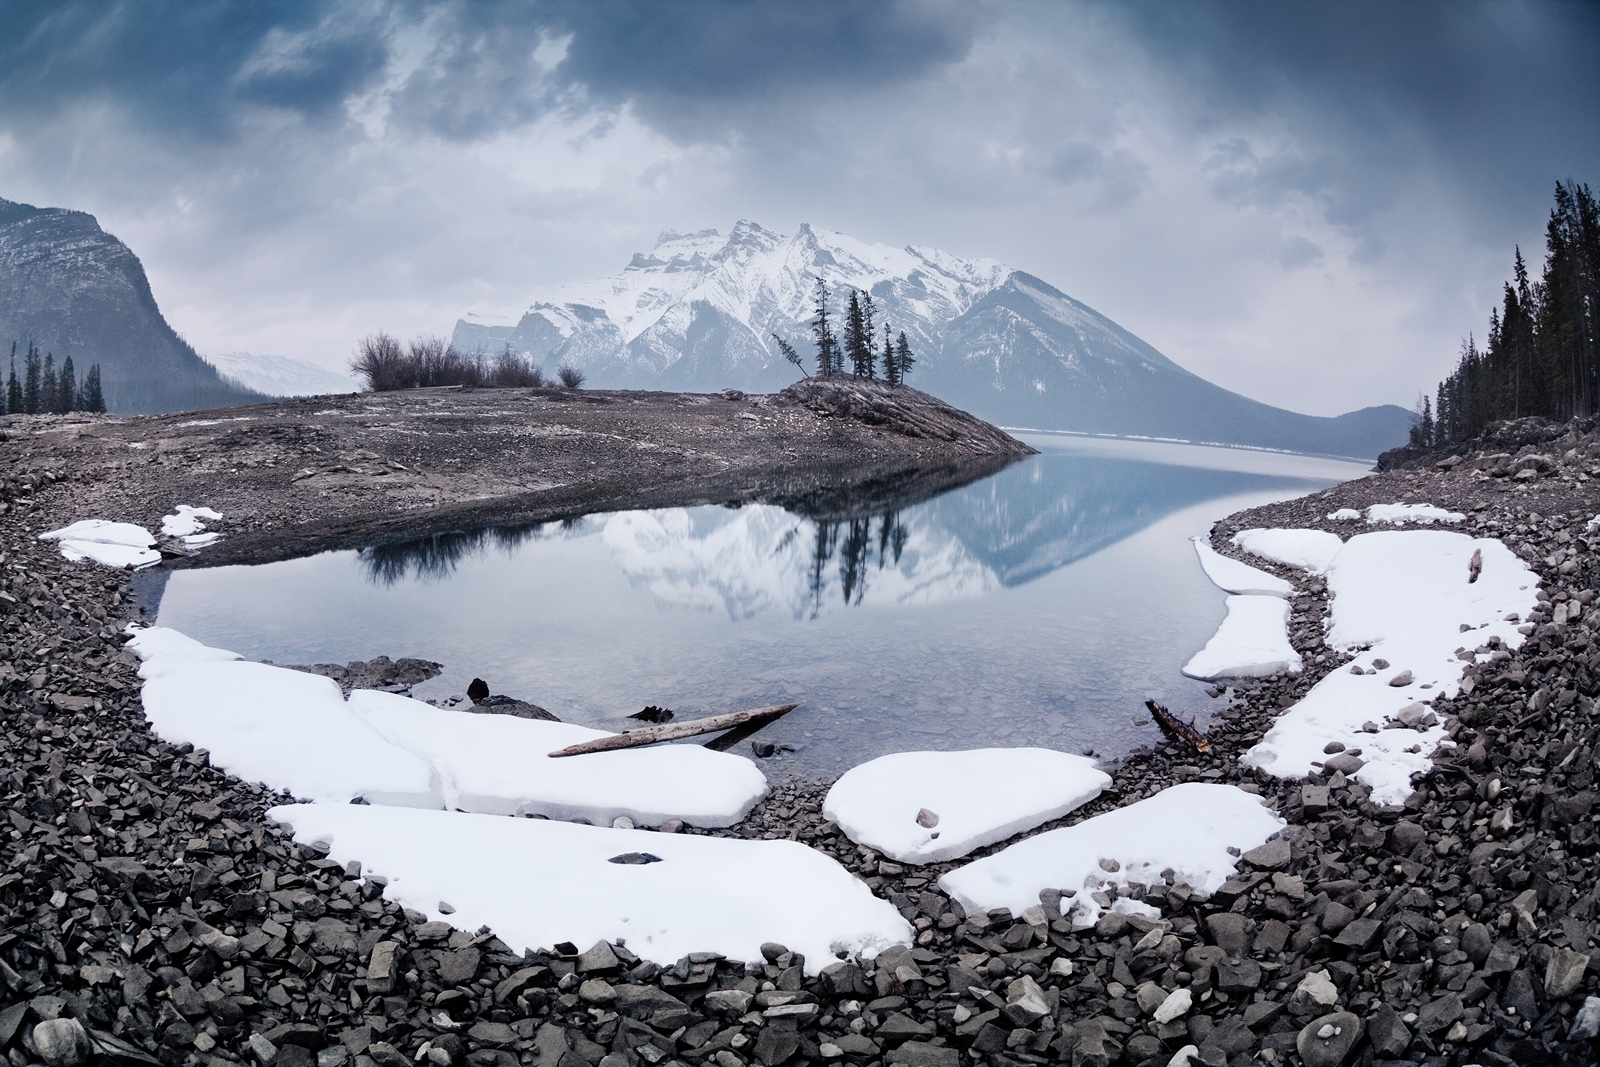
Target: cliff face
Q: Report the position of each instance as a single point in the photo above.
(74, 290)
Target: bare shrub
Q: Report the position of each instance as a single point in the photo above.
(571, 377)
(511, 370)
(381, 361)
(431, 361)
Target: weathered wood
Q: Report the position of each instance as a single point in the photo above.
(654, 735)
(1183, 731)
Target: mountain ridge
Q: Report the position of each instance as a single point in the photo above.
(697, 313)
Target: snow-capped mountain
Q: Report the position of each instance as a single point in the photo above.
(281, 375)
(699, 310)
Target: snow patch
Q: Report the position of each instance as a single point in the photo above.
(538, 883)
(1344, 515)
(1252, 642)
(878, 803)
(1188, 827)
(189, 523)
(1403, 596)
(114, 544)
(1309, 550)
(1231, 576)
(1400, 514)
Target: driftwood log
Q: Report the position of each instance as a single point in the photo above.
(1176, 727)
(654, 735)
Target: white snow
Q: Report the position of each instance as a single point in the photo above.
(115, 544)
(1406, 595)
(1231, 576)
(499, 764)
(1188, 828)
(189, 523)
(297, 732)
(1252, 642)
(979, 796)
(538, 883)
(1310, 550)
(1344, 515)
(1400, 514)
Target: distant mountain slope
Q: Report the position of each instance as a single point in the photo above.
(698, 312)
(74, 290)
(281, 375)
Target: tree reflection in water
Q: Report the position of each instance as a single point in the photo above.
(855, 554)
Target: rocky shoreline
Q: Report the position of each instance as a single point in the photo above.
(149, 914)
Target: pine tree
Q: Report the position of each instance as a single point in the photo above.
(891, 366)
(47, 386)
(67, 390)
(869, 311)
(93, 398)
(829, 359)
(857, 342)
(13, 386)
(31, 385)
(903, 359)
(790, 354)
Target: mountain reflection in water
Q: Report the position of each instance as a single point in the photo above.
(1039, 605)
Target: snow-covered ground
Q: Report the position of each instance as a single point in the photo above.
(1309, 550)
(924, 807)
(537, 883)
(1252, 642)
(114, 544)
(1400, 514)
(189, 523)
(1231, 576)
(1187, 828)
(1403, 597)
(296, 731)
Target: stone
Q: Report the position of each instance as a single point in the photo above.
(294, 1056)
(1564, 973)
(1519, 995)
(1149, 997)
(1360, 934)
(1092, 1045)
(383, 967)
(1502, 959)
(1440, 1013)
(1476, 942)
(923, 1054)
(1230, 931)
(643, 1001)
(1175, 1006)
(728, 1002)
(459, 967)
(1405, 836)
(1238, 975)
(774, 1046)
(496, 1035)
(901, 1027)
(1272, 856)
(477, 690)
(1401, 680)
(1025, 1002)
(1328, 1041)
(61, 1042)
(1344, 763)
(1315, 993)
(596, 991)
(1386, 1031)
(600, 959)
(927, 819)
(1313, 800)
(1187, 1056)
(265, 1051)
(1586, 1023)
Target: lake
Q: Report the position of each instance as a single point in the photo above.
(1039, 606)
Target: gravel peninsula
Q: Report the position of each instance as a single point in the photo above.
(150, 914)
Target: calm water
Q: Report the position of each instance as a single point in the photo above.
(1041, 605)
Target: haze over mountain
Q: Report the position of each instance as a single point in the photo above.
(698, 312)
(74, 290)
(281, 375)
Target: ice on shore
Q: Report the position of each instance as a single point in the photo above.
(1187, 829)
(1344, 515)
(114, 544)
(1309, 550)
(1400, 514)
(1403, 596)
(537, 883)
(189, 523)
(1231, 576)
(296, 731)
(1252, 642)
(500, 765)
(974, 798)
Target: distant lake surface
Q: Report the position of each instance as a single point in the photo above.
(1039, 606)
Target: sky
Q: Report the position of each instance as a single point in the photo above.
(1311, 204)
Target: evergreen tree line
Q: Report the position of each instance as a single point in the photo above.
(427, 361)
(859, 344)
(1542, 353)
(42, 390)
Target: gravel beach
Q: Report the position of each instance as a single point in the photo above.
(150, 914)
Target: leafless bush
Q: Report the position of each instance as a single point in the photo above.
(431, 361)
(571, 377)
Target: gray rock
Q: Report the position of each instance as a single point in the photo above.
(1440, 1013)
(596, 991)
(1360, 934)
(1502, 959)
(460, 967)
(1272, 856)
(1238, 975)
(1388, 1035)
(265, 1051)
(1405, 836)
(728, 1002)
(496, 1035)
(1519, 995)
(1093, 1046)
(1025, 1002)
(1315, 994)
(600, 959)
(1476, 942)
(1344, 764)
(1586, 1023)
(1231, 932)
(923, 1054)
(643, 1001)
(61, 1042)
(1327, 1041)
(1564, 973)
(774, 1046)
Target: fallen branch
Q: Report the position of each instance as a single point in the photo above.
(654, 735)
(1175, 727)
